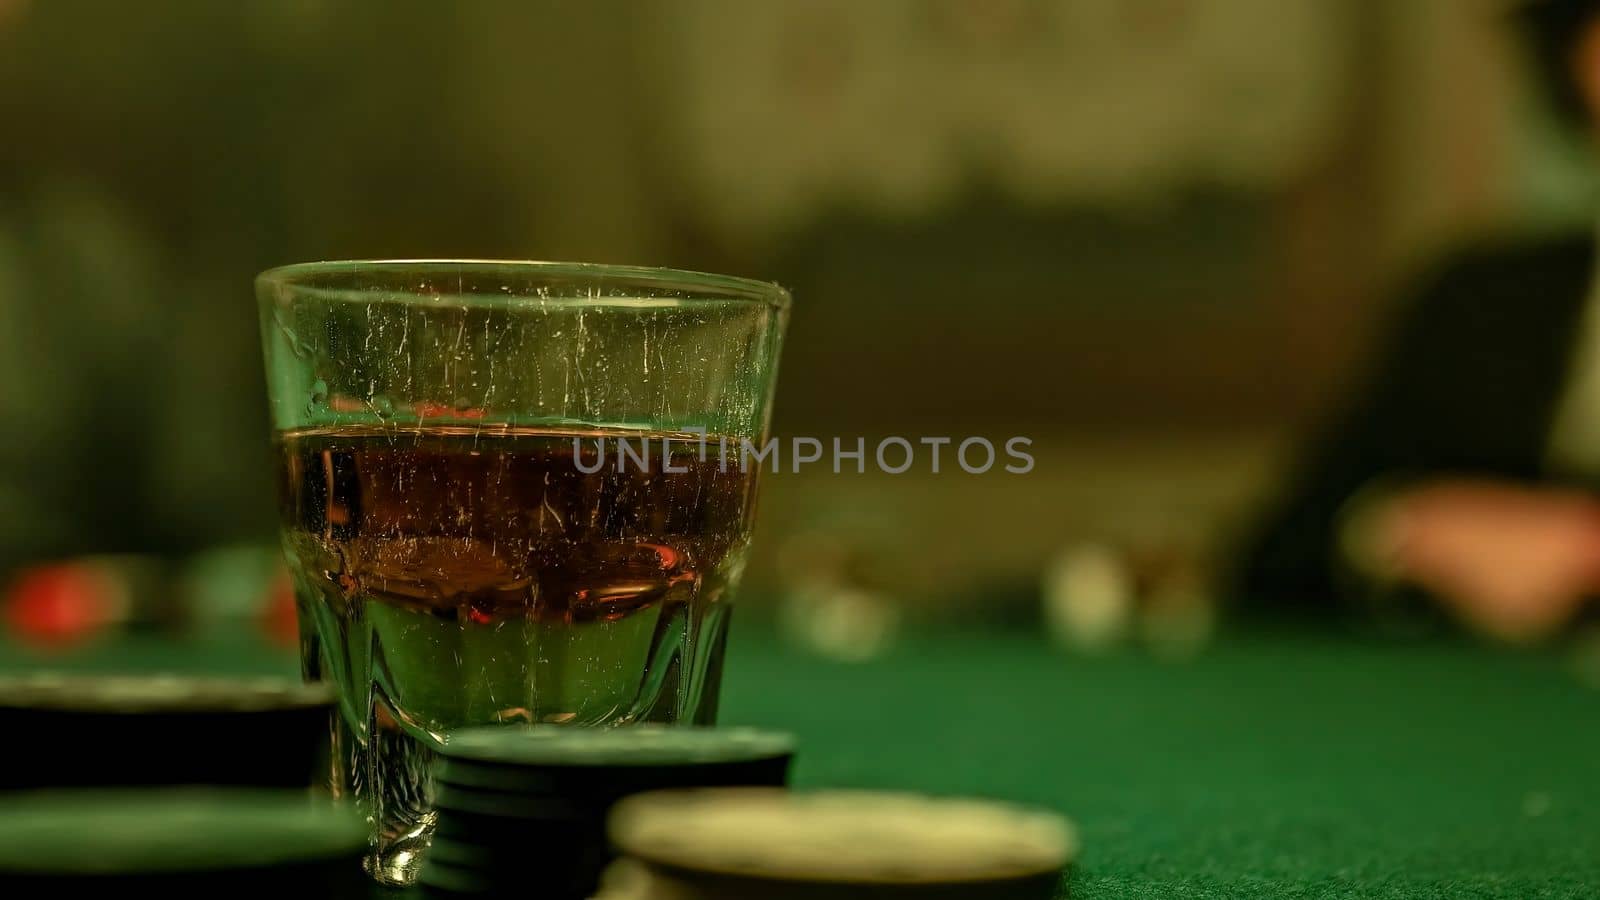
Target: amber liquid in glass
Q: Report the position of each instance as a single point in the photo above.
(461, 575)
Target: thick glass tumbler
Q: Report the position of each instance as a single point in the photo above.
(510, 492)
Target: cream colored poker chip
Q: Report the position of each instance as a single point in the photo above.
(842, 837)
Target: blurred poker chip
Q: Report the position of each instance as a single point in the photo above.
(242, 589)
(1089, 598)
(840, 845)
(843, 581)
(66, 603)
(1095, 596)
(225, 591)
(146, 730)
(189, 842)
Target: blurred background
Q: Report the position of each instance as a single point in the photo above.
(1152, 235)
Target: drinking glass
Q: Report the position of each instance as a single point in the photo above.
(510, 492)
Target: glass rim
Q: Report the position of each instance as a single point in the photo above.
(697, 287)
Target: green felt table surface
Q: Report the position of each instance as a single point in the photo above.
(1282, 767)
(1268, 767)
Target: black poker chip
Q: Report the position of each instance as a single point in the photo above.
(166, 729)
(510, 804)
(724, 844)
(505, 877)
(577, 762)
(541, 869)
(498, 831)
(180, 842)
(515, 800)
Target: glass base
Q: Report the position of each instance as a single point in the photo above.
(399, 699)
(399, 861)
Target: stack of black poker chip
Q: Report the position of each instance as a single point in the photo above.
(522, 809)
(180, 843)
(148, 730)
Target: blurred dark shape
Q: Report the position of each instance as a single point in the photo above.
(1462, 471)
(1552, 29)
(1467, 383)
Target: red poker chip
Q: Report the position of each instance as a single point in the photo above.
(63, 604)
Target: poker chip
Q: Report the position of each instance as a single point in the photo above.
(511, 875)
(714, 844)
(562, 761)
(180, 842)
(635, 745)
(136, 694)
(525, 805)
(504, 804)
(501, 832)
(166, 729)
